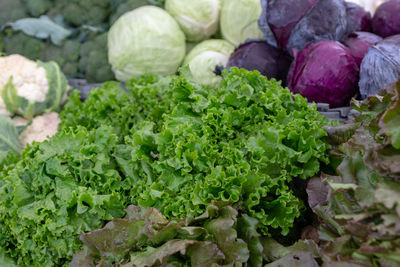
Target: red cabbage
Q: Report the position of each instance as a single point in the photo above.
(380, 66)
(295, 23)
(358, 19)
(258, 55)
(324, 72)
(359, 42)
(386, 20)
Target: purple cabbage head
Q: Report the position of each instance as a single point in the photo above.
(358, 19)
(295, 23)
(359, 42)
(258, 55)
(386, 20)
(324, 72)
(380, 66)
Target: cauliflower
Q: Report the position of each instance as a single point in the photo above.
(29, 79)
(41, 128)
(29, 88)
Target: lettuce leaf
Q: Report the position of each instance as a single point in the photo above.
(146, 238)
(359, 208)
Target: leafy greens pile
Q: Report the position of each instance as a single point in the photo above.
(358, 206)
(166, 143)
(152, 239)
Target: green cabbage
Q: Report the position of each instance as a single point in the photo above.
(204, 58)
(145, 40)
(198, 19)
(239, 20)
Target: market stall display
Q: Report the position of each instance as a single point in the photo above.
(204, 133)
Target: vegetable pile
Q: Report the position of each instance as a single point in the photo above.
(198, 155)
(71, 33)
(303, 29)
(242, 143)
(357, 209)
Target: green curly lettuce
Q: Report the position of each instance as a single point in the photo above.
(57, 190)
(144, 98)
(243, 142)
(167, 143)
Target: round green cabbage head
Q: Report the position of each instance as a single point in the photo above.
(145, 40)
(239, 20)
(197, 18)
(204, 57)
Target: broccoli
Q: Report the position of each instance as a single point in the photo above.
(78, 12)
(119, 7)
(38, 7)
(94, 60)
(67, 56)
(125, 6)
(11, 10)
(19, 43)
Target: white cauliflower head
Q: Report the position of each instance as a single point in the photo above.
(35, 87)
(41, 128)
(29, 79)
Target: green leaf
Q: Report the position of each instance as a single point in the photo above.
(160, 255)
(295, 259)
(16, 104)
(6, 261)
(388, 193)
(58, 86)
(8, 137)
(390, 121)
(247, 230)
(221, 228)
(41, 28)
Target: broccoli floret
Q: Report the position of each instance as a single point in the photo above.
(119, 7)
(19, 43)
(94, 60)
(12, 10)
(38, 7)
(67, 56)
(78, 12)
(126, 6)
